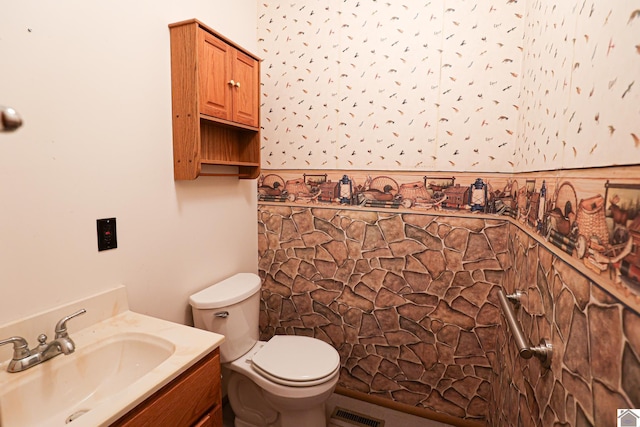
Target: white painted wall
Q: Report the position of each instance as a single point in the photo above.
(92, 82)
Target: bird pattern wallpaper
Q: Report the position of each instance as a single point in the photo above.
(449, 85)
(580, 93)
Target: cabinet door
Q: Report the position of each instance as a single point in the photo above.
(246, 104)
(214, 75)
(182, 402)
(212, 419)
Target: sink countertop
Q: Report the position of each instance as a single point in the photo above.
(189, 346)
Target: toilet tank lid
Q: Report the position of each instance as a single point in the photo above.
(227, 292)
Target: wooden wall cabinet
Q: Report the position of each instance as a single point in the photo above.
(215, 95)
(194, 399)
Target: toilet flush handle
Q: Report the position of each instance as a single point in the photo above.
(222, 314)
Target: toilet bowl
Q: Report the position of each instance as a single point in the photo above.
(299, 401)
(282, 382)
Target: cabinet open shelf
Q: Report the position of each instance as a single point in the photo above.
(217, 144)
(221, 144)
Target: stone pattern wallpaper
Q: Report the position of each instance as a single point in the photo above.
(596, 347)
(409, 301)
(449, 85)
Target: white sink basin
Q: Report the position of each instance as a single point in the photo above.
(121, 358)
(65, 388)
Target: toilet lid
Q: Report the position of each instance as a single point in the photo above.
(296, 358)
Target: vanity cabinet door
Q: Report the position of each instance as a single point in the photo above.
(185, 401)
(212, 419)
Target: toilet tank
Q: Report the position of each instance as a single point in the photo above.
(231, 308)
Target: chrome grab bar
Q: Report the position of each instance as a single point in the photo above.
(543, 351)
(515, 298)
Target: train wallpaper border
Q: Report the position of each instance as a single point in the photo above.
(601, 229)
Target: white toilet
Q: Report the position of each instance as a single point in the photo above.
(283, 382)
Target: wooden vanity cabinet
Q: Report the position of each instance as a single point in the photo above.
(215, 88)
(194, 399)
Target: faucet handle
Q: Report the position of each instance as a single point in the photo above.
(42, 342)
(20, 347)
(61, 326)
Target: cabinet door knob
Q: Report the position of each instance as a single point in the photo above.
(237, 84)
(232, 83)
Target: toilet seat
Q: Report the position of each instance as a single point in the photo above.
(296, 361)
(289, 383)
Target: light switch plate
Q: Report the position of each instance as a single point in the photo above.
(107, 237)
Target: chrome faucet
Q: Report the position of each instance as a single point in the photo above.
(23, 358)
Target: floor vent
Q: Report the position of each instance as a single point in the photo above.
(344, 418)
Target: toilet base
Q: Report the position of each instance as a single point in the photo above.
(312, 417)
(240, 423)
(248, 403)
(255, 407)
(294, 419)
